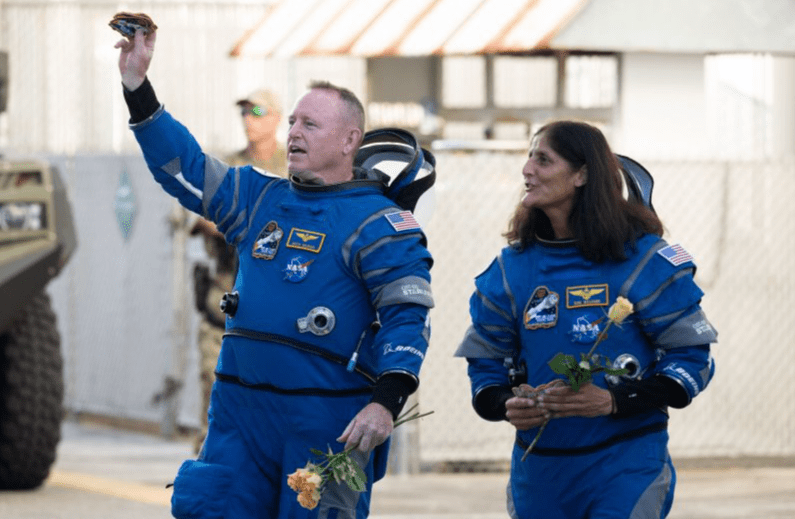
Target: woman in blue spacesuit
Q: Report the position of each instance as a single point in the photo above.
(575, 245)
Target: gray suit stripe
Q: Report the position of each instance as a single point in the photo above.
(651, 502)
(651, 298)
(237, 223)
(173, 167)
(214, 172)
(494, 308)
(627, 286)
(511, 506)
(348, 245)
(507, 287)
(662, 318)
(221, 219)
(244, 232)
(365, 251)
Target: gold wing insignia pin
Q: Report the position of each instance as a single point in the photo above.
(587, 293)
(306, 236)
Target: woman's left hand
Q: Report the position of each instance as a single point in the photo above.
(561, 401)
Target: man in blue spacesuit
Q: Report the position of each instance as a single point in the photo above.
(328, 324)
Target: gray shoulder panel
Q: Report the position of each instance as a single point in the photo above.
(476, 347)
(692, 330)
(411, 289)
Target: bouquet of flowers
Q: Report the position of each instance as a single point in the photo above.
(309, 481)
(580, 372)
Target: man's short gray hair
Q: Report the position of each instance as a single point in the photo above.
(349, 98)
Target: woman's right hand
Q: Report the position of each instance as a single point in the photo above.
(524, 413)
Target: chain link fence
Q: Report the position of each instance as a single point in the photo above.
(736, 220)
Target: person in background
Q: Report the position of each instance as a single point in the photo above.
(575, 247)
(260, 113)
(328, 322)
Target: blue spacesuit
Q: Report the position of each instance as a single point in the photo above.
(530, 305)
(332, 292)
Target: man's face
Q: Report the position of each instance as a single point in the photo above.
(319, 131)
(260, 122)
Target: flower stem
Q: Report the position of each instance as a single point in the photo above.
(535, 440)
(415, 416)
(599, 339)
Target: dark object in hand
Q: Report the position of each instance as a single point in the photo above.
(127, 23)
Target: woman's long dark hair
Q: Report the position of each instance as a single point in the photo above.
(602, 221)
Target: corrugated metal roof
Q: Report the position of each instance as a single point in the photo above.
(405, 27)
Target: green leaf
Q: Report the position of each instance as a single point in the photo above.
(317, 452)
(578, 377)
(616, 372)
(358, 480)
(338, 472)
(561, 363)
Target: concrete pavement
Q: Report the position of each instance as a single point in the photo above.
(137, 467)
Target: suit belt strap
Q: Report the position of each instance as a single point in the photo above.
(575, 451)
(303, 346)
(301, 391)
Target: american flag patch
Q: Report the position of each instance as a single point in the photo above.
(675, 254)
(402, 221)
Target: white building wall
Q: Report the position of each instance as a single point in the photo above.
(662, 111)
(783, 102)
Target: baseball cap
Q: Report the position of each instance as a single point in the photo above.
(263, 98)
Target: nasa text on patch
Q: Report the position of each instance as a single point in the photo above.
(267, 243)
(541, 310)
(297, 269)
(305, 240)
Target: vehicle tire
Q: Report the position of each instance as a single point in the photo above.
(31, 396)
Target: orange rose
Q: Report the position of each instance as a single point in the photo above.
(309, 498)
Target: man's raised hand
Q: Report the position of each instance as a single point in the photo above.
(135, 57)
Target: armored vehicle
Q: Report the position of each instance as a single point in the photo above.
(37, 237)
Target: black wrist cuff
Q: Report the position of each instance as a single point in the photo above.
(489, 404)
(142, 102)
(392, 391)
(638, 396)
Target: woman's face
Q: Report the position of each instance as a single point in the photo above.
(550, 181)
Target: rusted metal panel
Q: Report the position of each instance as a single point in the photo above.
(537, 25)
(484, 25)
(372, 28)
(386, 34)
(404, 27)
(340, 35)
(440, 23)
